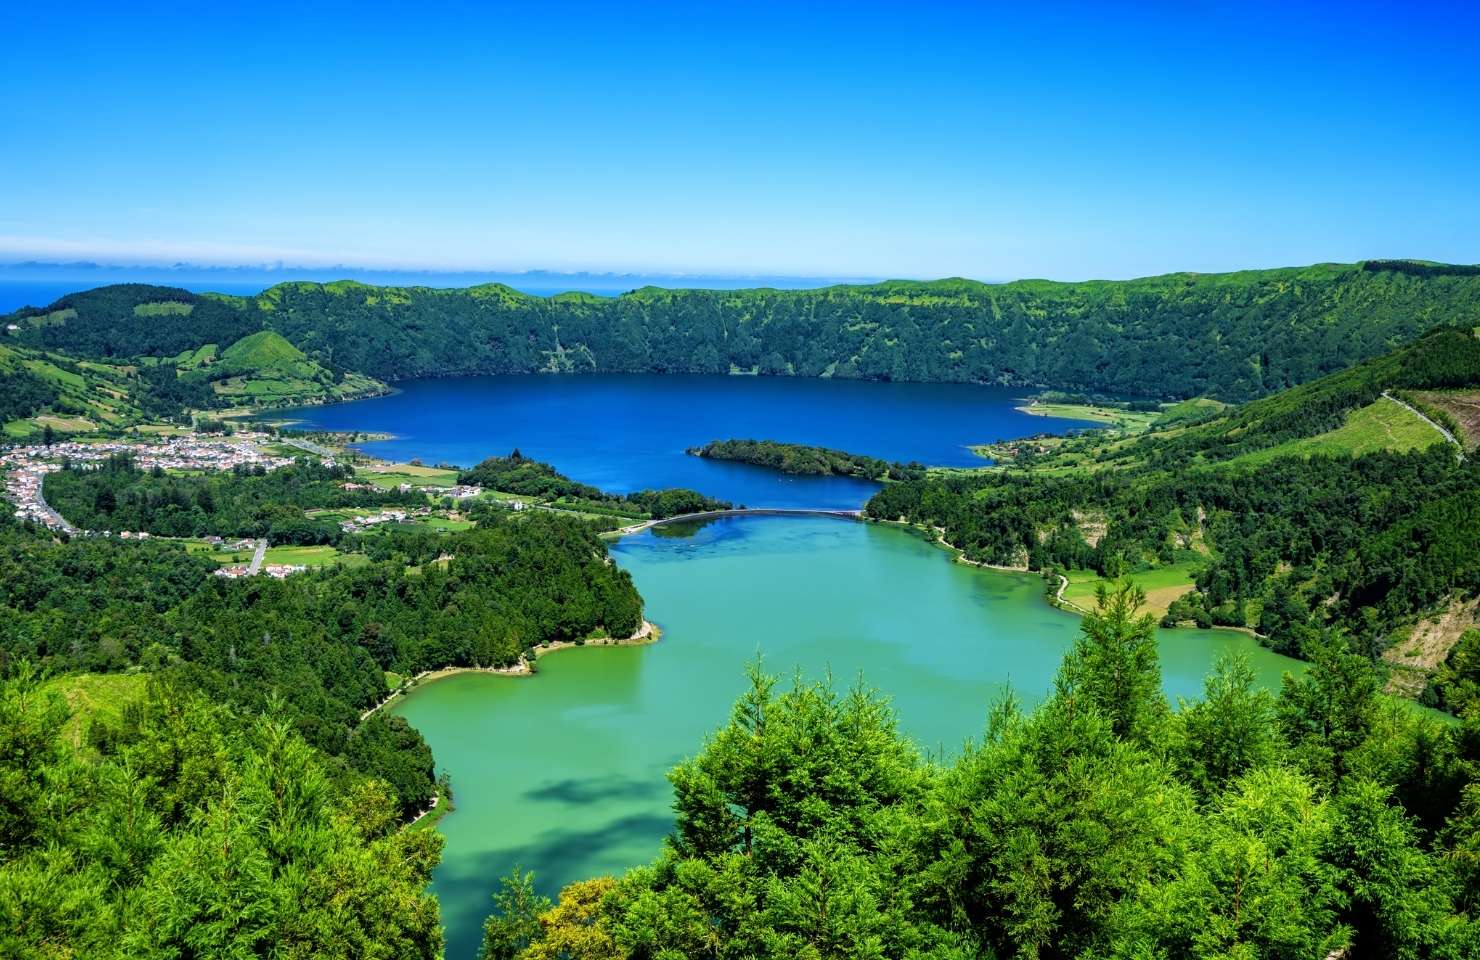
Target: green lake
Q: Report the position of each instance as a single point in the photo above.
(563, 773)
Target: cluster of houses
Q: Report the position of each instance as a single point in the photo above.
(463, 491)
(190, 452)
(23, 488)
(275, 570)
(26, 466)
(222, 544)
(389, 515)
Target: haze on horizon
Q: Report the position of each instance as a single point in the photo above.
(833, 142)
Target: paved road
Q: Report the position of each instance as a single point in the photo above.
(1419, 414)
(751, 512)
(257, 557)
(54, 520)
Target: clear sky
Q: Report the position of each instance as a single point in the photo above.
(828, 140)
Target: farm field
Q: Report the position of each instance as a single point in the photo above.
(1162, 586)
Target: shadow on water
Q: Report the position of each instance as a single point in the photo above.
(579, 791)
(466, 887)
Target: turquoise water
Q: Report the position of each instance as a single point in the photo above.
(628, 432)
(563, 773)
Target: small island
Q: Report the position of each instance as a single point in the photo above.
(799, 458)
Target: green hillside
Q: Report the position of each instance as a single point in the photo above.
(40, 389)
(1344, 412)
(1334, 504)
(262, 368)
(1231, 336)
(134, 320)
(261, 350)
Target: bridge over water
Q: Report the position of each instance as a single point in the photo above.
(744, 512)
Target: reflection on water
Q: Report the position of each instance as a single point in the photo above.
(682, 529)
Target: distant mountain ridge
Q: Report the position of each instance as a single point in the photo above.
(1234, 336)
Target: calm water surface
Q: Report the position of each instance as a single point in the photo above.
(629, 432)
(563, 773)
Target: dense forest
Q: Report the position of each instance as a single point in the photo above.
(1322, 822)
(517, 473)
(242, 502)
(179, 828)
(198, 778)
(1233, 336)
(803, 459)
(315, 645)
(22, 393)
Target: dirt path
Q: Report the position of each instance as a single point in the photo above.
(1447, 435)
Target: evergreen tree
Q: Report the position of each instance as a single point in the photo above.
(1114, 667)
(1327, 713)
(1229, 731)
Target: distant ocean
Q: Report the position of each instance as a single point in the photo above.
(15, 294)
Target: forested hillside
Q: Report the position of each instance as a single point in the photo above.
(1319, 823)
(1295, 515)
(1231, 336)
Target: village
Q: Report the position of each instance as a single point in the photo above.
(26, 466)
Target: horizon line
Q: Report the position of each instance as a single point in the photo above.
(347, 272)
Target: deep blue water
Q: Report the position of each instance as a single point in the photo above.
(15, 294)
(624, 432)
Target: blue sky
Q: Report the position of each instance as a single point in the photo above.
(825, 140)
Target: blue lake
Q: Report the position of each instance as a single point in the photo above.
(624, 432)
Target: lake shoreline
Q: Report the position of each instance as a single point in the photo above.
(648, 633)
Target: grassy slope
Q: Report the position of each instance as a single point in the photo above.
(1115, 417)
(1381, 425)
(92, 696)
(260, 350)
(1187, 411)
(391, 475)
(264, 368)
(91, 394)
(1162, 586)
